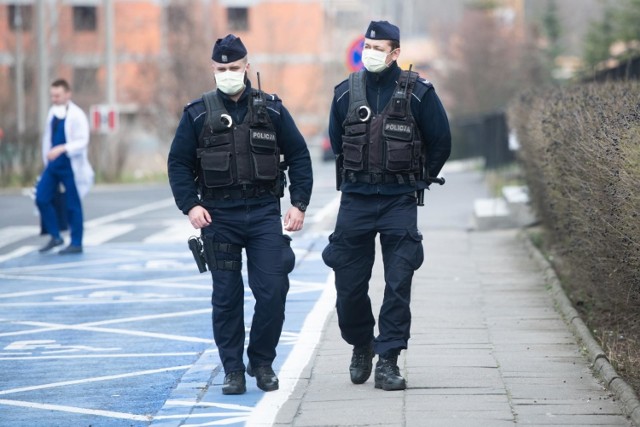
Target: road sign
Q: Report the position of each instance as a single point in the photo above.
(104, 118)
(354, 54)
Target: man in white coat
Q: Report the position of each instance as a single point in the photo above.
(64, 152)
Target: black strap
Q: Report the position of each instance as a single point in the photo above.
(215, 109)
(227, 247)
(248, 191)
(357, 95)
(381, 178)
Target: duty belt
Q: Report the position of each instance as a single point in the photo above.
(247, 191)
(381, 178)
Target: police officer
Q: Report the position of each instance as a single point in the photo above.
(225, 174)
(390, 133)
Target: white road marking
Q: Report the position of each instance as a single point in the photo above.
(128, 213)
(176, 231)
(94, 379)
(309, 336)
(60, 327)
(25, 356)
(94, 284)
(52, 345)
(98, 235)
(15, 233)
(75, 410)
(23, 250)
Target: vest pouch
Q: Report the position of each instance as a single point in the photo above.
(217, 140)
(356, 129)
(216, 168)
(264, 156)
(399, 155)
(398, 136)
(263, 141)
(353, 150)
(397, 129)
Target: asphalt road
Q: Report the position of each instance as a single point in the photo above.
(118, 335)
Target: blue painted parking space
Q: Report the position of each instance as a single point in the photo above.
(121, 336)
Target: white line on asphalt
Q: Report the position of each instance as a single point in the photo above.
(206, 405)
(92, 284)
(267, 408)
(75, 410)
(99, 302)
(94, 379)
(4, 356)
(128, 213)
(60, 327)
(15, 233)
(224, 422)
(16, 253)
(105, 232)
(111, 321)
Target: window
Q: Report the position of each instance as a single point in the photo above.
(25, 15)
(84, 18)
(238, 18)
(85, 79)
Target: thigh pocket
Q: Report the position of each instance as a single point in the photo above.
(410, 248)
(334, 252)
(288, 257)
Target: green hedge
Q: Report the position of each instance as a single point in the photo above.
(580, 151)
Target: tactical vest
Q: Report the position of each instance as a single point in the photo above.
(385, 148)
(233, 155)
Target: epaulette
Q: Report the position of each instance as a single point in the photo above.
(193, 103)
(421, 87)
(341, 88)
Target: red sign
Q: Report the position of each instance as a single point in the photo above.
(104, 118)
(354, 54)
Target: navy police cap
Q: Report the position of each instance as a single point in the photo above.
(382, 30)
(228, 49)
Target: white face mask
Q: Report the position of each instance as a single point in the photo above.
(374, 60)
(230, 82)
(60, 111)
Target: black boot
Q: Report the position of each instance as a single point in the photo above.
(51, 244)
(361, 363)
(234, 383)
(388, 374)
(266, 379)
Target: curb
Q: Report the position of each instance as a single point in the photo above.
(599, 361)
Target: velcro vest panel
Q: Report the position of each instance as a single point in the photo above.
(234, 154)
(388, 143)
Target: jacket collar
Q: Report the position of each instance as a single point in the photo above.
(385, 77)
(243, 98)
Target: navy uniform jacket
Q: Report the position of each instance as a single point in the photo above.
(428, 113)
(183, 163)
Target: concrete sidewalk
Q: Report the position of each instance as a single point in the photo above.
(488, 348)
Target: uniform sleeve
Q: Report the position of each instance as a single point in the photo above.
(182, 165)
(335, 127)
(296, 155)
(434, 126)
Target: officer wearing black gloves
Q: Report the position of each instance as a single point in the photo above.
(391, 134)
(226, 175)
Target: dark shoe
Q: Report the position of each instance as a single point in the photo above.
(388, 374)
(51, 244)
(265, 377)
(71, 249)
(361, 363)
(234, 383)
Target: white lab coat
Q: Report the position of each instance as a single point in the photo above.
(76, 131)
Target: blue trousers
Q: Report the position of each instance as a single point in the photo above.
(50, 179)
(270, 259)
(351, 254)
